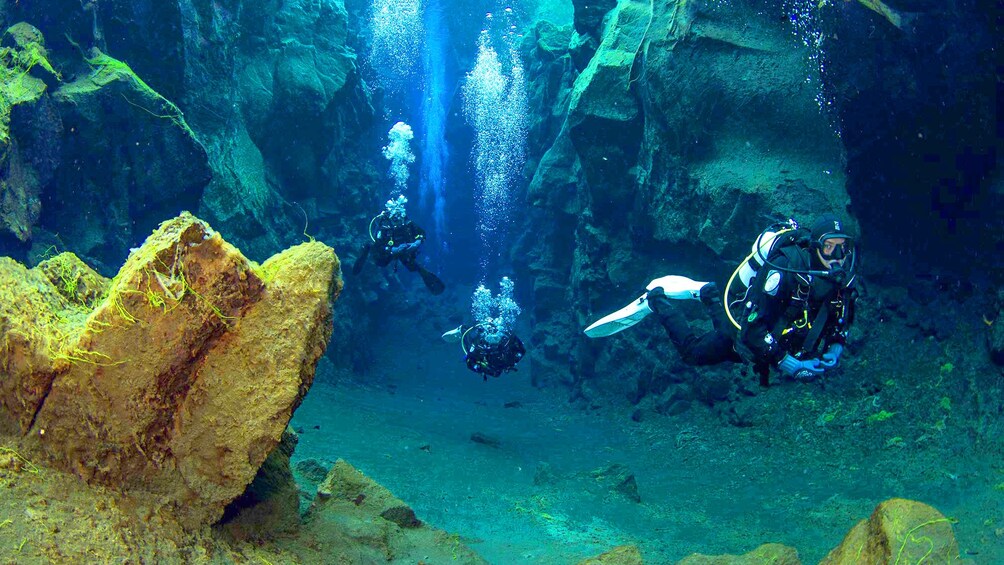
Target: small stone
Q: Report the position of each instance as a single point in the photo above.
(402, 516)
(478, 437)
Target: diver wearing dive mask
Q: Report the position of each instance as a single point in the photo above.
(834, 249)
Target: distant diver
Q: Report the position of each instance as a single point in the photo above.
(490, 346)
(396, 239)
(791, 310)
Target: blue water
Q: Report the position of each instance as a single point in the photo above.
(435, 151)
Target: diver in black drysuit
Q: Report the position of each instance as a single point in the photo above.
(397, 239)
(795, 316)
(486, 354)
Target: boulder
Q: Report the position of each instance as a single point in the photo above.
(898, 531)
(618, 479)
(621, 555)
(37, 322)
(181, 379)
(773, 553)
(354, 519)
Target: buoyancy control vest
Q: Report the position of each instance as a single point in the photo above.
(772, 241)
(791, 242)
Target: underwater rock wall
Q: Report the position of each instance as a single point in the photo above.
(685, 126)
(261, 98)
(918, 91)
(92, 156)
(176, 378)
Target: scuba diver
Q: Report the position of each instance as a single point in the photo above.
(397, 239)
(795, 302)
(490, 346)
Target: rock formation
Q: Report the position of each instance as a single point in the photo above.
(622, 555)
(30, 130)
(355, 520)
(773, 553)
(898, 531)
(181, 378)
(102, 149)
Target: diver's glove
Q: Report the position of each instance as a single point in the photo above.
(405, 247)
(831, 358)
(800, 370)
(658, 301)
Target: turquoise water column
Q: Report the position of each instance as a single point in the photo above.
(495, 104)
(398, 31)
(435, 153)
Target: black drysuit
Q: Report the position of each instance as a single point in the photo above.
(398, 241)
(784, 313)
(491, 359)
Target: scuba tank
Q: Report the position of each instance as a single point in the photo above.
(760, 250)
(772, 237)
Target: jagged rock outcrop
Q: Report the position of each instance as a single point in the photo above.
(129, 160)
(30, 130)
(90, 151)
(42, 311)
(604, 114)
(355, 519)
(898, 531)
(270, 89)
(622, 555)
(180, 380)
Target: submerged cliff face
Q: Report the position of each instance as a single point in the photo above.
(917, 87)
(242, 110)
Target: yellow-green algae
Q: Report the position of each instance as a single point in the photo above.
(17, 85)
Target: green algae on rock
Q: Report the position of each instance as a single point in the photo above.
(25, 75)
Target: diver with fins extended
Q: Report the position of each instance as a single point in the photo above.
(791, 309)
(396, 239)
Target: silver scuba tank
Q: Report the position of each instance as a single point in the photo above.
(748, 269)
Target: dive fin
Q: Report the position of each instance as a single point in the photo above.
(431, 281)
(675, 286)
(454, 335)
(621, 319)
(357, 267)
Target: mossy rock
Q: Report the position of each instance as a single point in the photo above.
(22, 53)
(898, 531)
(73, 279)
(773, 553)
(621, 555)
